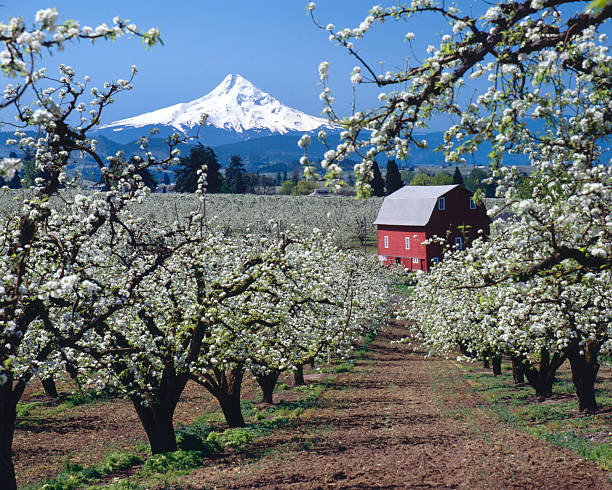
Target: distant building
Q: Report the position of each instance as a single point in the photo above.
(324, 192)
(414, 214)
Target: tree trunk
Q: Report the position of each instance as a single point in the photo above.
(157, 422)
(298, 376)
(542, 378)
(232, 411)
(229, 398)
(8, 414)
(584, 373)
(485, 363)
(50, 388)
(517, 372)
(267, 382)
(539, 382)
(496, 361)
(225, 387)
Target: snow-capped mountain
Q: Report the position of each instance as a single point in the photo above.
(235, 105)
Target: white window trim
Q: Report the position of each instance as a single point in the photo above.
(407, 240)
(415, 260)
(472, 203)
(441, 203)
(458, 243)
(386, 241)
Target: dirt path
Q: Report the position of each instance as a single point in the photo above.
(397, 420)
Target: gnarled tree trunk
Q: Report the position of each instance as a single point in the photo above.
(157, 416)
(585, 367)
(496, 361)
(229, 398)
(517, 372)
(157, 422)
(9, 397)
(8, 414)
(267, 383)
(542, 378)
(298, 376)
(50, 388)
(225, 386)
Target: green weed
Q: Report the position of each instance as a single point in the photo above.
(172, 462)
(76, 476)
(600, 453)
(553, 421)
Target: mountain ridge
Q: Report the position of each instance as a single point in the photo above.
(235, 105)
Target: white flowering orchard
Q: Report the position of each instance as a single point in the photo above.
(92, 286)
(49, 297)
(531, 78)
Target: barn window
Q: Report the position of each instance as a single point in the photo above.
(407, 243)
(415, 260)
(472, 203)
(458, 244)
(441, 203)
(434, 260)
(386, 242)
(398, 260)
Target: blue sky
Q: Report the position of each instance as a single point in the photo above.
(273, 43)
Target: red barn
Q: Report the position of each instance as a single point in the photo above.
(413, 214)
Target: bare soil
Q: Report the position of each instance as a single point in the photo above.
(395, 420)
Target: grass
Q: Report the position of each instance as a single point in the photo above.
(39, 412)
(195, 442)
(202, 438)
(557, 420)
(403, 289)
(76, 476)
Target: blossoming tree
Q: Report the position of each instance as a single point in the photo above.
(48, 297)
(548, 97)
(215, 308)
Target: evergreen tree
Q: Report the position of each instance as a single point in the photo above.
(377, 183)
(457, 177)
(15, 182)
(148, 179)
(234, 175)
(393, 178)
(187, 173)
(287, 188)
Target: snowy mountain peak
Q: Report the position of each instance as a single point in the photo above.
(234, 105)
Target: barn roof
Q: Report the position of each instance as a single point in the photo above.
(411, 205)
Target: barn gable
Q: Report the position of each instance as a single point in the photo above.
(411, 216)
(411, 205)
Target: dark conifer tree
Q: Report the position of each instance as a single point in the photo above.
(187, 173)
(148, 179)
(234, 175)
(377, 183)
(15, 181)
(457, 177)
(393, 178)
